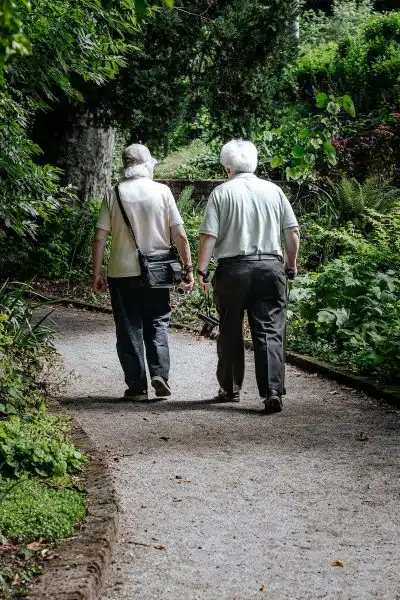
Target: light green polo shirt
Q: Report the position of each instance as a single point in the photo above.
(247, 216)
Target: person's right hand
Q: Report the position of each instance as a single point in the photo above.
(99, 283)
(290, 271)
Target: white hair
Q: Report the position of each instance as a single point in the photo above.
(240, 156)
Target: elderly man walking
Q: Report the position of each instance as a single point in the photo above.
(141, 313)
(242, 228)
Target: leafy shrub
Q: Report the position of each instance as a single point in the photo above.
(61, 248)
(192, 216)
(364, 65)
(38, 445)
(32, 510)
(24, 351)
(373, 148)
(204, 166)
(348, 218)
(302, 148)
(347, 16)
(353, 307)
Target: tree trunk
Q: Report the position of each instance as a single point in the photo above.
(78, 144)
(86, 156)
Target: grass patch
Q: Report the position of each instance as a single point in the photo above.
(32, 510)
(166, 169)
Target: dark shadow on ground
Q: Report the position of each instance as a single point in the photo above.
(101, 402)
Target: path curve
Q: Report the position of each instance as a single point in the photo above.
(220, 502)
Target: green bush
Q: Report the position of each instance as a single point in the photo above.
(24, 351)
(32, 509)
(192, 216)
(38, 445)
(365, 65)
(61, 248)
(353, 307)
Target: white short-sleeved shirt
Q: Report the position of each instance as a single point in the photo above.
(247, 216)
(151, 209)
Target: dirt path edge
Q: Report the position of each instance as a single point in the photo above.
(83, 560)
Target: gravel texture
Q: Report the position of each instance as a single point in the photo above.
(219, 501)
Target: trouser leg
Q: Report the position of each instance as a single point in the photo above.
(156, 316)
(267, 320)
(126, 302)
(230, 289)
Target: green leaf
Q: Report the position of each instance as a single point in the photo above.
(276, 161)
(321, 100)
(348, 106)
(330, 153)
(298, 151)
(170, 3)
(333, 108)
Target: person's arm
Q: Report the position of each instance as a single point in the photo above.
(99, 281)
(206, 249)
(292, 243)
(180, 241)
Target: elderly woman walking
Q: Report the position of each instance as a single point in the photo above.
(242, 228)
(141, 313)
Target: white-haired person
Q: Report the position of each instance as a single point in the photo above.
(242, 228)
(141, 313)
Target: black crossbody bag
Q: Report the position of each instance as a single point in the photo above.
(157, 270)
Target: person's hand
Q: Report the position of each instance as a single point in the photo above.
(204, 285)
(187, 284)
(290, 271)
(99, 283)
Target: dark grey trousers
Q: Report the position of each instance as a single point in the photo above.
(141, 318)
(260, 288)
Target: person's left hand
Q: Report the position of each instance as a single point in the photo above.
(187, 284)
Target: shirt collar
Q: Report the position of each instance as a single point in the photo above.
(244, 176)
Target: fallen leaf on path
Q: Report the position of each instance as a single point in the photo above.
(34, 546)
(264, 588)
(160, 547)
(362, 437)
(337, 563)
(16, 580)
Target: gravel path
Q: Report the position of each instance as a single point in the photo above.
(222, 502)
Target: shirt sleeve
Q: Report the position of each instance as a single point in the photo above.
(210, 224)
(174, 214)
(288, 217)
(104, 220)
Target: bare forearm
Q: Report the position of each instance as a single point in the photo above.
(206, 249)
(179, 238)
(98, 251)
(292, 243)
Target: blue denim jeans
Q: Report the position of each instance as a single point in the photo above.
(141, 318)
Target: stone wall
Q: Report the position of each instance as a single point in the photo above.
(202, 188)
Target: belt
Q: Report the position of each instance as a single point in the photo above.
(248, 257)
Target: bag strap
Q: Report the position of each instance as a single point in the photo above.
(125, 216)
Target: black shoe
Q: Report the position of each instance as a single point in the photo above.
(224, 396)
(273, 402)
(161, 386)
(136, 395)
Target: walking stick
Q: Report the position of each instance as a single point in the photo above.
(290, 275)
